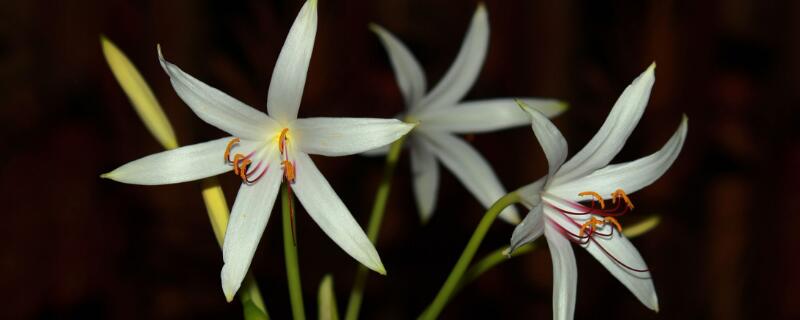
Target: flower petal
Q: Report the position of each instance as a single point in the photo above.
(531, 193)
(289, 76)
(529, 229)
(565, 273)
(611, 137)
(215, 107)
(183, 164)
(630, 176)
(487, 115)
(553, 143)
(612, 253)
(425, 175)
(328, 211)
(344, 136)
(464, 71)
(409, 74)
(249, 217)
(379, 151)
(470, 168)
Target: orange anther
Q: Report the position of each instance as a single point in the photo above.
(236, 159)
(288, 170)
(243, 168)
(591, 225)
(613, 221)
(282, 140)
(229, 147)
(619, 193)
(594, 195)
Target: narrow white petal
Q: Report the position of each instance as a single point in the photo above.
(379, 151)
(328, 211)
(187, 163)
(531, 227)
(531, 193)
(470, 168)
(345, 136)
(289, 76)
(215, 107)
(565, 273)
(464, 71)
(488, 115)
(249, 217)
(630, 176)
(611, 137)
(409, 74)
(613, 253)
(553, 143)
(425, 175)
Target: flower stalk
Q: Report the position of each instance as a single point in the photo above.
(452, 282)
(290, 255)
(375, 219)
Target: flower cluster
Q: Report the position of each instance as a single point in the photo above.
(578, 201)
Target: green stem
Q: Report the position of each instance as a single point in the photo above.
(375, 219)
(251, 296)
(290, 255)
(490, 261)
(451, 284)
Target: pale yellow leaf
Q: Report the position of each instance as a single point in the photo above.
(140, 95)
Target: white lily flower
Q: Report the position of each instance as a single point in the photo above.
(440, 116)
(555, 200)
(265, 149)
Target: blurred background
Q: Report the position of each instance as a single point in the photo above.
(79, 247)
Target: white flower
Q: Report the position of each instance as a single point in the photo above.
(440, 117)
(557, 211)
(266, 149)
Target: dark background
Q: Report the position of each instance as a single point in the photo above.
(77, 246)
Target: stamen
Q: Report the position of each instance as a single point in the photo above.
(594, 195)
(243, 168)
(589, 230)
(613, 221)
(288, 169)
(236, 159)
(229, 147)
(248, 175)
(592, 224)
(619, 193)
(282, 140)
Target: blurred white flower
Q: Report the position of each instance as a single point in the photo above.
(441, 116)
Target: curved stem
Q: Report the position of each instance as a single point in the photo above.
(456, 274)
(375, 219)
(490, 261)
(290, 255)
